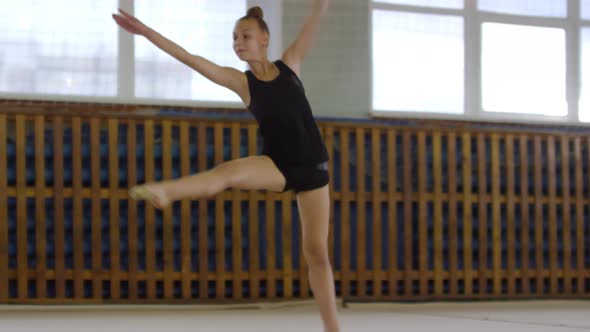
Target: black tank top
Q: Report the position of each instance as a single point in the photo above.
(285, 119)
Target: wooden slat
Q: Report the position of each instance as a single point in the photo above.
(392, 212)
(168, 226)
(105, 193)
(87, 274)
(203, 216)
(185, 214)
(21, 208)
(538, 213)
(407, 193)
(453, 227)
(304, 279)
(422, 214)
(41, 235)
(552, 177)
(580, 237)
(581, 243)
(150, 227)
(236, 218)
(3, 212)
(482, 212)
(496, 217)
(115, 233)
(58, 206)
(287, 252)
(510, 214)
(438, 218)
(271, 287)
(377, 218)
(525, 214)
(345, 215)
(253, 233)
(495, 198)
(78, 222)
(361, 220)
(219, 218)
(566, 213)
(96, 218)
(133, 231)
(467, 215)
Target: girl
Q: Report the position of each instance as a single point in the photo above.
(294, 156)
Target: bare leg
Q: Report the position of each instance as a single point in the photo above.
(314, 210)
(250, 173)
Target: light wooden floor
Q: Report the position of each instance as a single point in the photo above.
(537, 316)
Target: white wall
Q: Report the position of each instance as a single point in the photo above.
(336, 73)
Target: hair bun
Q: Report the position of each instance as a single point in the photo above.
(255, 12)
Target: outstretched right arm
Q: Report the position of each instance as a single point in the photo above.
(228, 77)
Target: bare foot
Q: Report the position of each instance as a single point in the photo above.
(152, 194)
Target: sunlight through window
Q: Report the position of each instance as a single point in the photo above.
(585, 77)
(523, 69)
(454, 4)
(190, 24)
(45, 49)
(418, 61)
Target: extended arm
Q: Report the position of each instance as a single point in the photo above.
(228, 77)
(297, 51)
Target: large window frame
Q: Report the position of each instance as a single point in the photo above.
(126, 66)
(473, 22)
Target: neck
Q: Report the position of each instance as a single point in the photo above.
(261, 67)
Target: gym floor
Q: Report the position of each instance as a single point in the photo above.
(537, 316)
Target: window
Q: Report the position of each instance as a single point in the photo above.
(586, 9)
(190, 24)
(481, 60)
(427, 3)
(418, 62)
(523, 69)
(585, 77)
(547, 8)
(44, 52)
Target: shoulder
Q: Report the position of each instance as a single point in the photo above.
(290, 64)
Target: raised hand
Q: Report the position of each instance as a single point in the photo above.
(130, 23)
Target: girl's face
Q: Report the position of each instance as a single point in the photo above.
(250, 42)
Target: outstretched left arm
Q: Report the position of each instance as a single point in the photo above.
(294, 55)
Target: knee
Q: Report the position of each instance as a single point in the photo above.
(316, 254)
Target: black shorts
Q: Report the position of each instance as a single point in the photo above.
(304, 178)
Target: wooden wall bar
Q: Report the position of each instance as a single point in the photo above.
(418, 213)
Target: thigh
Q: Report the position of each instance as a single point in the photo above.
(314, 212)
(251, 173)
(308, 178)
